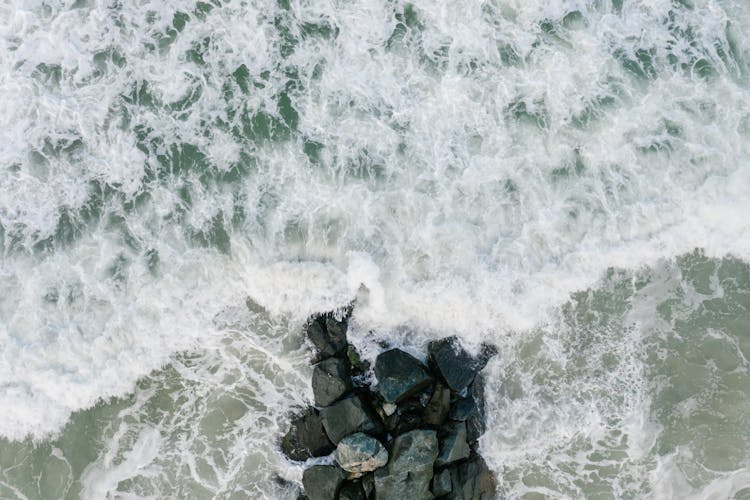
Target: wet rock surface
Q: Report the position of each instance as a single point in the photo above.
(413, 435)
(323, 482)
(455, 365)
(360, 453)
(330, 381)
(400, 375)
(306, 437)
(348, 416)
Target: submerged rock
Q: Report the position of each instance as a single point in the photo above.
(457, 367)
(360, 453)
(330, 381)
(322, 482)
(473, 480)
(453, 445)
(348, 416)
(306, 437)
(409, 471)
(327, 335)
(400, 375)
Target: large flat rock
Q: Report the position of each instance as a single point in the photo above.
(348, 416)
(400, 375)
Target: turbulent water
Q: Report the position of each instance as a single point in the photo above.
(182, 183)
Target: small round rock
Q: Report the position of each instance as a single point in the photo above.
(360, 453)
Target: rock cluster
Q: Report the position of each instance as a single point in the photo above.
(413, 435)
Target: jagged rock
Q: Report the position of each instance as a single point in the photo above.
(475, 422)
(327, 335)
(400, 375)
(437, 408)
(453, 445)
(322, 482)
(473, 480)
(360, 453)
(330, 381)
(348, 416)
(409, 472)
(457, 367)
(306, 437)
(352, 490)
(441, 483)
(463, 408)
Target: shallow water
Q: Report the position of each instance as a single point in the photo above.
(566, 179)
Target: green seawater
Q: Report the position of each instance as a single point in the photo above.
(182, 183)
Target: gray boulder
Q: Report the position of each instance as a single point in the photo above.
(348, 416)
(400, 375)
(453, 445)
(457, 367)
(306, 437)
(409, 471)
(360, 453)
(330, 381)
(322, 482)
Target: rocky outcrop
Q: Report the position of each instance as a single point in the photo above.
(414, 435)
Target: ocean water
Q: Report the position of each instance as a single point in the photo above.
(182, 183)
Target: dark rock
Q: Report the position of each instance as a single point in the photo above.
(352, 490)
(368, 485)
(437, 408)
(463, 408)
(473, 480)
(453, 445)
(330, 381)
(327, 342)
(475, 422)
(457, 367)
(407, 421)
(409, 472)
(322, 482)
(441, 483)
(306, 437)
(400, 375)
(360, 453)
(348, 416)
